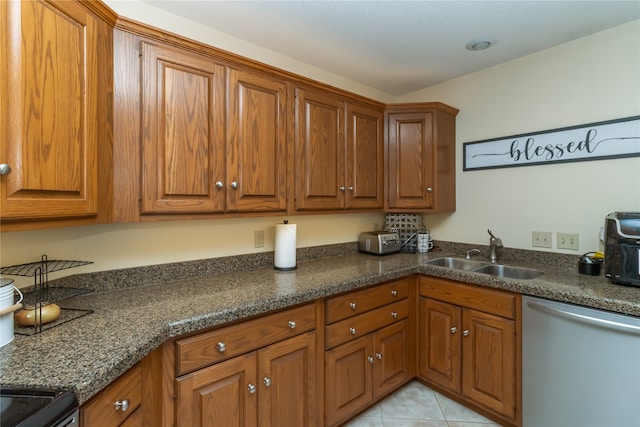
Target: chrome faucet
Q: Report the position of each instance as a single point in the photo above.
(494, 243)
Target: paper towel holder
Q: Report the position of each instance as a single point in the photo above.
(285, 248)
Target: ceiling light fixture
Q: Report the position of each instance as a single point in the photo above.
(480, 44)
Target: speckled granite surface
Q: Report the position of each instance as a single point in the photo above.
(88, 353)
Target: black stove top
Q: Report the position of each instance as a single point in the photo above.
(35, 408)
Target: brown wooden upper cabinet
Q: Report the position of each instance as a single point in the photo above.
(331, 173)
(183, 146)
(56, 64)
(200, 156)
(257, 142)
(421, 157)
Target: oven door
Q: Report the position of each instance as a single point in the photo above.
(46, 408)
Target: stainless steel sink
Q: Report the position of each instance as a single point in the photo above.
(508, 271)
(455, 263)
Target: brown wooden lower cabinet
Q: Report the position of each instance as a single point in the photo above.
(468, 344)
(273, 386)
(268, 371)
(365, 369)
(118, 404)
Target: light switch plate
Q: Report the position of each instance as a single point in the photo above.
(568, 241)
(258, 238)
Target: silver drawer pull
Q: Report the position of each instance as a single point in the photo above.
(122, 405)
(352, 330)
(251, 388)
(465, 332)
(379, 356)
(292, 324)
(352, 305)
(454, 330)
(370, 359)
(267, 381)
(219, 184)
(222, 347)
(394, 314)
(394, 293)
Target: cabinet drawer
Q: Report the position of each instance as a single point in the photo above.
(355, 327)
(101, 410)
(212, 347)
(493, 301)
(354, 303)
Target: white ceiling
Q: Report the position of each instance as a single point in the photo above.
(398, 47)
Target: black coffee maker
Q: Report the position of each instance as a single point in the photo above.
(622, 248)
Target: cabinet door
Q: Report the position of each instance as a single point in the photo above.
(439, 356)
(222, 395)
(49, 119)
(319, 151)
(287, 390)
(365, 163)
(183, 155)
(391, 364)
(411, 160)
(348, 383)
(257, 132)
(488, 366)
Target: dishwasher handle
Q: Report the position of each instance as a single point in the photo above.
(609, 324)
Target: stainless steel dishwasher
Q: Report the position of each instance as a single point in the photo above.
(580, 366)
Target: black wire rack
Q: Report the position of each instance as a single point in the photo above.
(42, 294)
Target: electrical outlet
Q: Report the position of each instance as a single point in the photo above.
(568, 241)
(258, 238)
(541, 239)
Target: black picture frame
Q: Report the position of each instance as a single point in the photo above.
(593, 141)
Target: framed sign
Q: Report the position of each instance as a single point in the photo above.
(594, 141)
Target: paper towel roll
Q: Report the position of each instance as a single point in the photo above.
(285, 250)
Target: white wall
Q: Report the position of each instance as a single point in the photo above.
(591, 79)
(114, 246)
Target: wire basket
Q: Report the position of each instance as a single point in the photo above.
(407, 226)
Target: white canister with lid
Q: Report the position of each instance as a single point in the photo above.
(7, 307)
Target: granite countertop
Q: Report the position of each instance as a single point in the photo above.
(86, 354)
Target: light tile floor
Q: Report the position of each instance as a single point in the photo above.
(416, 405)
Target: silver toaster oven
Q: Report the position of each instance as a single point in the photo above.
(379, 242)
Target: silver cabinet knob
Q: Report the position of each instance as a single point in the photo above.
(292, 324)
(350, 188)
(122, 405)
(219, 184)
(394, 293)
(429, 190)
(352, 305)
(251, 388)
(394, 314)
(5, 169)
(370, 359)
(465, 332)
(222, 347)
(352, 330)
(454, 330)
(341, 188)
(266, 381)
(379, 356)
(234, 184)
